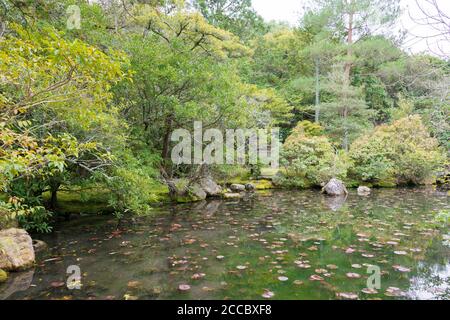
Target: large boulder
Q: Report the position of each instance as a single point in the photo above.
(16, 250)
(211, 188)
(363, 191)
(335, 187)
(197, 192)
(235, 187)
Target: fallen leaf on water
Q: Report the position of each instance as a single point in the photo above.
(400, 253)
(400, 268)
(282, 278)
(315, 277)
(394, 292)
(184, 287)
(369, 291)
(267, 294)
(197, 276)
(332, 266)
(134, 284)
(321, 271)
(57, 284)
(353, 275)
(241, 267)
(298, 282)
(347, 295)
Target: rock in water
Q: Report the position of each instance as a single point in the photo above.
(211, 188)
(16, 250)
(39, 245)
(232, 195)
(235, 187)
(197, 192)
(335, 187)
(249, 187)
(363, 191)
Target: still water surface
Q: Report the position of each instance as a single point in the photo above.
(276, 245)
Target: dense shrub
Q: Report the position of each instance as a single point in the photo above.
(402, 152)
(309, 158)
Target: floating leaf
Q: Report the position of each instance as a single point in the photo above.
(347, 295)
(394, 292)
(197, 276)
(353, 275)
(184, 287)
(401, 268)
(267, 294)
(57, 284)
(315, 277)
(369, 291)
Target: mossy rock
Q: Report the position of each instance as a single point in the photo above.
(263, 184)
(3, 276)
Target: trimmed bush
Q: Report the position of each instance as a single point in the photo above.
(401, 153)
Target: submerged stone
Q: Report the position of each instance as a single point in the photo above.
(335, 187)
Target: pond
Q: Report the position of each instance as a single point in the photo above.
(267, 245)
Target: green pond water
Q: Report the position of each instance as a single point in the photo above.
(271, 245)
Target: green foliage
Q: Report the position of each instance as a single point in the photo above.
(308, 158)
(402, 151)
(31, 218)
(236, 16)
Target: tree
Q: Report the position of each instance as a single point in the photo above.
(400, 153)
(354, 20)
(235, 16)
(346, 115)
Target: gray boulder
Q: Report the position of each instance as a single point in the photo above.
(363, 191)
(335, 187)
(197, 192)
(235, 187)
(16, 250)
(250, 187)
(211, 188)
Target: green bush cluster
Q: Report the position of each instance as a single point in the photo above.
(308, 158)
(400, 153)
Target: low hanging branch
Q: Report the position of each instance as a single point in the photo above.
(174, 191)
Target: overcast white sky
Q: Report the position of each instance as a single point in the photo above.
(290, 11)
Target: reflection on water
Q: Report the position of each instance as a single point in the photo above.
(294, 244)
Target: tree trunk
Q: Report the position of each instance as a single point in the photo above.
(166, 145)
(347, 71)
(54, 195)
(317, 113)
